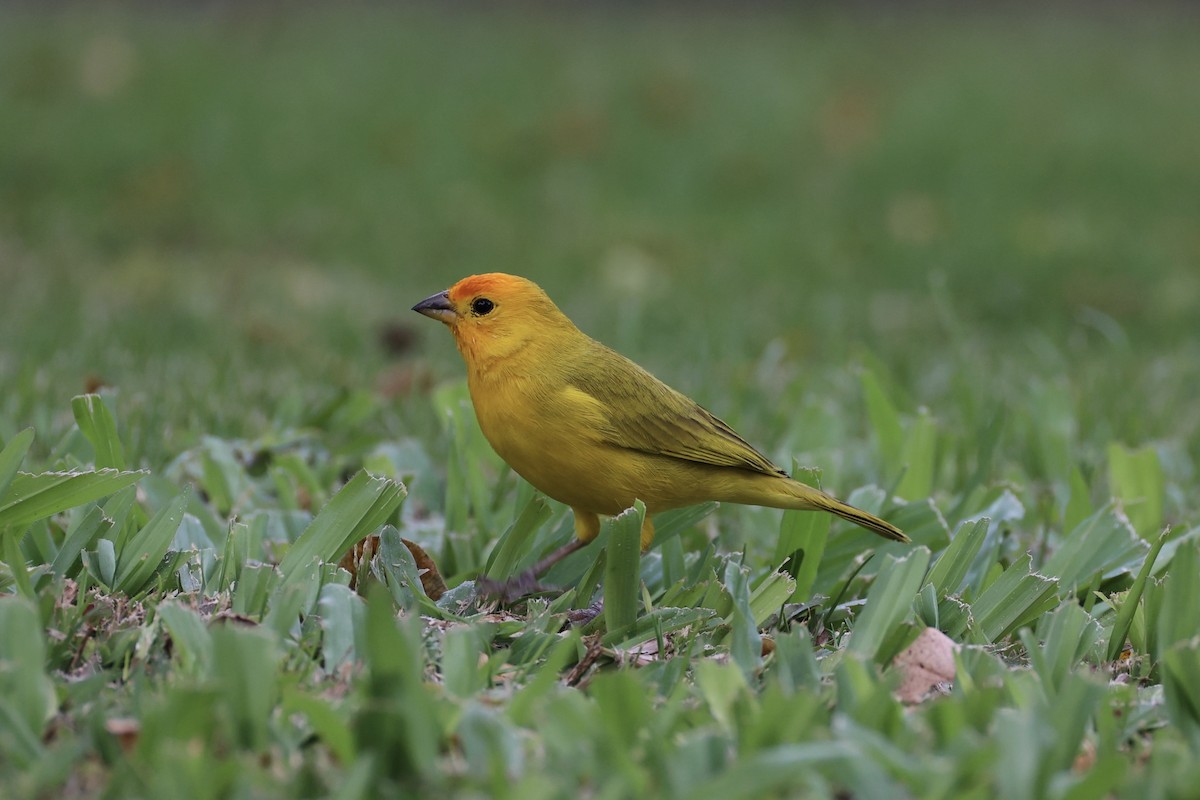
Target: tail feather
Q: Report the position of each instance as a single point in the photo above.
(803, 496)
(864, 520)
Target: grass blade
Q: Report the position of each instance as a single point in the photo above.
(771, 593)
(398, 719)
(745, 641)
(919, 458)
(952, 566)
(1079, 502)
(802, 539)
(191, 641)
(1174, 619)
(622, 573)
(96, 423)
(670, 524)
(80, 536)
(515, 543)
(327, 724)
(885, 420)
(1066, 635)
(11, 457)
(27, 698)
(361, 506)
(33, 497)
(1017, 597)
(1102, 543)
(244, 662)
(341, 616)
(1180, 665)
(1136, 478)
(764, 773)
(140, 556)
(889, 601)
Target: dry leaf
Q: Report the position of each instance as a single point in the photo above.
(362, 552)
(303, 499)
(640, 655)
(1086, 759)
(125, 731)
(926, 665)
(359, 555)
(576, 677)
(431, 579)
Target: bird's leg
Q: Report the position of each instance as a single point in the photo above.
(647, 533)
(527, 582)
(587, 527)
(558, 555)
(583, 616)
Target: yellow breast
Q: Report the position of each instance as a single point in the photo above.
(550, 437)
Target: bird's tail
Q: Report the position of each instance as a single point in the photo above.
(802, 496)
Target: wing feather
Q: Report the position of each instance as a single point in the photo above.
(640, 412)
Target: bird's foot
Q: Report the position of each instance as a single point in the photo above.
(582, 616)
(513, 589)
(527, 582)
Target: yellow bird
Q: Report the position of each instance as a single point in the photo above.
(592, 429)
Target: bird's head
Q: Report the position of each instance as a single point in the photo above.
(494, 315)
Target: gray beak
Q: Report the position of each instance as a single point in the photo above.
(438, 307)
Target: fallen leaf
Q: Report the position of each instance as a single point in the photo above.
(125, 730)
(593, 649)
(926, 665)
(358, 556)
(640, 655)
(1086, 759)
(431, 579)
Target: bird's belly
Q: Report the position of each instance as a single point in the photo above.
(562, 467)
(594, 476)
(563, 457)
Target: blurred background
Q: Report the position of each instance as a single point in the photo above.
(225, 211)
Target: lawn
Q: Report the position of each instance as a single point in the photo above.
(945, 264)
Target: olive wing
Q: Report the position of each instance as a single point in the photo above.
(640, 412)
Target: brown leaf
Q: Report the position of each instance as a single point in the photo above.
(431, 579)
(592, 652)
(926, 665)
(1086, 759)
(359, 555)
(641, 654)
(303, 499)
(125, 730)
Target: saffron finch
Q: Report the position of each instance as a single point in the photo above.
(590, 428)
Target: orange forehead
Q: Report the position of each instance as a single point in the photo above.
(489, 283)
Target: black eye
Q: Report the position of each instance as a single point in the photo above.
(481, 306)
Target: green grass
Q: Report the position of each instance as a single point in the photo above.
(951, 260)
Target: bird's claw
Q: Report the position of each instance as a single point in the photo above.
(513, 589)
(582, 616)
